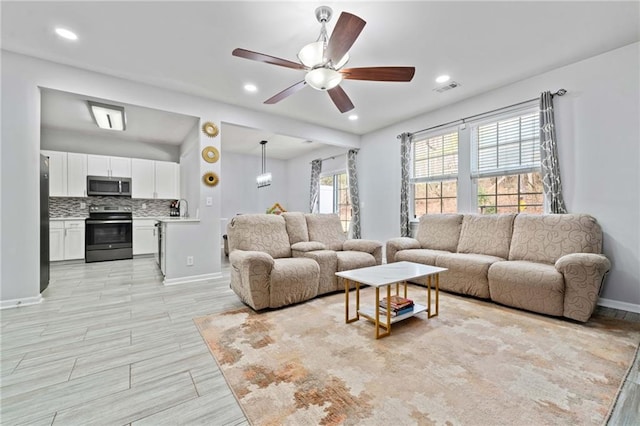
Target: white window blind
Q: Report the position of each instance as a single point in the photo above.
(435, 158)
(508, 145)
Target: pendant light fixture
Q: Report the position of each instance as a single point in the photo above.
(264, 179)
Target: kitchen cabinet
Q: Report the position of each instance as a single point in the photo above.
(66, 240)
(73, 239)
(155, 179)
(56, 240)
(167, 176)
(103, 165)
(145, 238)
(57, 173)
(67, 174)
(76, 174)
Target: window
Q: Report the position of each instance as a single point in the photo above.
(506, 164)
(334, 197)
(435, 173)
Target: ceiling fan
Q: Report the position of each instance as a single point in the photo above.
(324, 59)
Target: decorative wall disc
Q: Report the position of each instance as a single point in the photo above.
(210, 179)
(210, 154)
(210, 129)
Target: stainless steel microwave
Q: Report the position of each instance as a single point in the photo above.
(109, 185)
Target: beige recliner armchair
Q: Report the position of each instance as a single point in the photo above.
(320, 237)
(263, 272)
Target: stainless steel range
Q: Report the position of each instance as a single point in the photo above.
(108, 233)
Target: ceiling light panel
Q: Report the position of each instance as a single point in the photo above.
(66, 34)
(110, 117)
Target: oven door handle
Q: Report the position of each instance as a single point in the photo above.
(100, 222)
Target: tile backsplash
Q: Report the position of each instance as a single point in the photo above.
(70, 206)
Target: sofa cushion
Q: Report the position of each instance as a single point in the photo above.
(328, 263)
(486, 234)
(533, 286)
(546, 238)
(296, 227)
(424, 256)
(293, 280)
(467, 273)
(327, 229)
(259, 232)
(439, 231)
(354, 259)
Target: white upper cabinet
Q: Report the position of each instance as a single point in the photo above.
(167, 176)
(57, 173)
(155, 179)
(103, 165)
(142, 178)
(76, 174)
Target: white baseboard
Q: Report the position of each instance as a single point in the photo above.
(18, 303)
(192, 279)
(623, 306)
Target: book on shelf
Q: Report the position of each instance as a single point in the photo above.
(397, 312)
(396, 302)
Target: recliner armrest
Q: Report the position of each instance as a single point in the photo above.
(583, 276)
(306, 246)
(394, 245)
(251, 277)
(368, 246)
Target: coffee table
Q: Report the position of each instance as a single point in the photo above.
(385, 276)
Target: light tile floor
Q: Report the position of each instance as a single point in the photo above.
(111, 345)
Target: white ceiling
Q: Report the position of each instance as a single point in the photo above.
(187, 46)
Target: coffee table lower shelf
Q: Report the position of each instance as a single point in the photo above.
(370, 314)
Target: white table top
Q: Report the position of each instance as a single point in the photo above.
(390, 273)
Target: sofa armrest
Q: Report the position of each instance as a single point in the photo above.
(583, 276)
(251, 277)
(305, 246)
(394, 245)
(368, 246)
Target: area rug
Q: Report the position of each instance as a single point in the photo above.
(477, 363)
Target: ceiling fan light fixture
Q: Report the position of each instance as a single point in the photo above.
(323, 78)
(312, 54)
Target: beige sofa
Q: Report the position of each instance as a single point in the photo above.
(278, 260)
(551, 264)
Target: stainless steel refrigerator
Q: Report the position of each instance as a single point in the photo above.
(44, 222)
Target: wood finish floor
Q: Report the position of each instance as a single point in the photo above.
(111, 345)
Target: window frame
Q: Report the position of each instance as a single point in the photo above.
(441, 179)
(335, 174)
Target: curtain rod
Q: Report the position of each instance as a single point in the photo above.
(560, 92)
(333, 157)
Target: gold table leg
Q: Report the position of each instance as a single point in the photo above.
(346, 304)
(431, 314)
(377, 313)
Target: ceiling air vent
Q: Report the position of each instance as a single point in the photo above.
(446, 87)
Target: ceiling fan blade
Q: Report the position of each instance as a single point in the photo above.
(379, 73)
(261, 57)
(286, 92)
(340, 98)
(344, 34)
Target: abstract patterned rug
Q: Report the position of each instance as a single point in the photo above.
(477, 363)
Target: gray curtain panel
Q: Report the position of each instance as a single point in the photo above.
(405, 161)
(314, 191)
(354, 194)
(549, 163)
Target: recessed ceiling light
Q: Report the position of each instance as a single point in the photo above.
(250, 87)
(442, 79)
(353, 117)
(67, 34)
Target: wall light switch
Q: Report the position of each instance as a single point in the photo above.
(144, 205)
(209, 201)
(83, 205)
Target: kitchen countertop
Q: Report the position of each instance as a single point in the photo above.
(66, 218)
(177, 219)
(166, 219)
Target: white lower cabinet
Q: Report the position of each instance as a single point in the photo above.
(56, 240)
(66, 240)
(145, 238)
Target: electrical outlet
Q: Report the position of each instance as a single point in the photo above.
(144, 205)
(209, 201)
(189, 260)
(83, 205)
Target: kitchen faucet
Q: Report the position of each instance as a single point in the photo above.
(186, 210)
